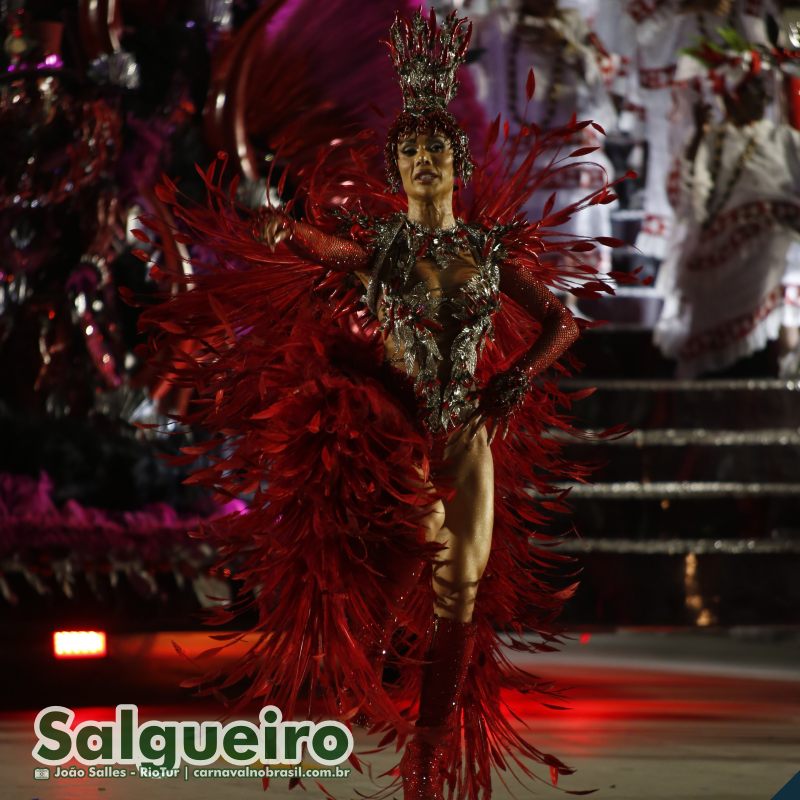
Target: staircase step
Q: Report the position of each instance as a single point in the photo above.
(711, 510)
(717, 405)
(686, 588)
(681, 546)
(686, 437)
(685, 458)
(676, 385)
(609, 352)
(664, 490)
(630, 308)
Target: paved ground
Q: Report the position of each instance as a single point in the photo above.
(655, 717)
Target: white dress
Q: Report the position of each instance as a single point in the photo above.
(648, 36)
(568, 81)
(729, 287)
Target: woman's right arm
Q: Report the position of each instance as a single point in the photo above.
(333, 252)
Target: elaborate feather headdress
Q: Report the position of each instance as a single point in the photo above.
(426, 57)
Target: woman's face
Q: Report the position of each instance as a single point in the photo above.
(425, 162)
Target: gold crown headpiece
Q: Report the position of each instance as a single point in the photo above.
(426, 58)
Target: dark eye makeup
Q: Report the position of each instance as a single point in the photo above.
(410, 148)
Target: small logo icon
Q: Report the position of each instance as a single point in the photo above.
(41, 774)
(791, 791)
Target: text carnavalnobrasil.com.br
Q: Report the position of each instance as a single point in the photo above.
(152, 771)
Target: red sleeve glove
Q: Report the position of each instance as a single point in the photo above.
(342, 255)
(505, 391)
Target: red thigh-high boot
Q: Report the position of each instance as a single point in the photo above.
(402, 575)
(447, 661)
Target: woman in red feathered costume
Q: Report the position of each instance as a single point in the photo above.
(372, 378)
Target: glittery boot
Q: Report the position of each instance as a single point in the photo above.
(448, 658)
(402, 575)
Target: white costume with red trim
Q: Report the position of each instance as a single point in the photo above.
(726, 288)
(648, 35)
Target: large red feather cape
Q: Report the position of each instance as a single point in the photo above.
(285, 370)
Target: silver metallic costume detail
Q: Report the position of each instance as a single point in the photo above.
(441, 244)
(411, 316)
(426, 59)
(511, 388)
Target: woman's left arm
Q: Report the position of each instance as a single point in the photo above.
(505, 391)
(559, 329)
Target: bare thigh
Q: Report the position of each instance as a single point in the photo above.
(466, 531)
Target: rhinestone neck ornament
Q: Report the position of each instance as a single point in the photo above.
(443, 245)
